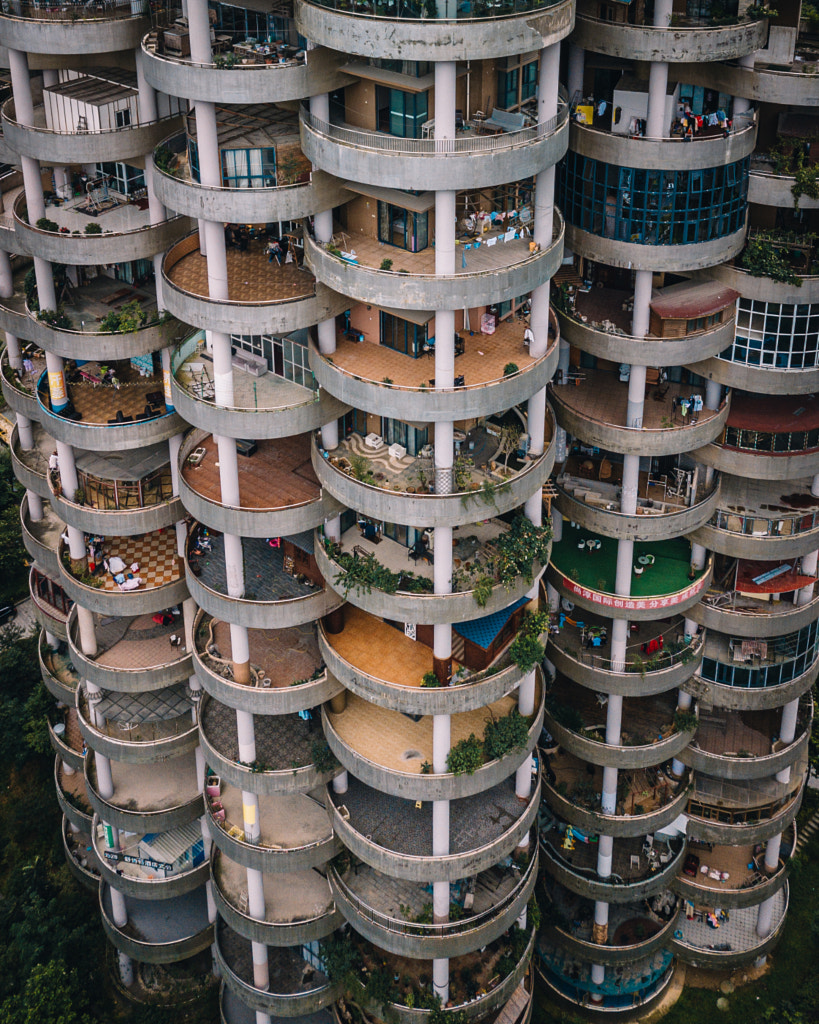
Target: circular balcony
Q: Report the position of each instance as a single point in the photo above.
(764, 694)
(765, 289)
(739, 933)
(87, 344)
(668, 257)
(262, 407)
(486, 389)
(584, 502)
(479, 33)
(298, 907)
(124, 226)
(585, 576)
(764, 84)
(638, 678)
(300, 682)
(740, 616)
(62, 733)
(296, 834)
(761, 379)
(228, 80)
(49, 605)
(290, 754)
(162, 585)
(131, 657)
(72, 797)
(123, 521)
(18, 395)
(57, 672)
(395, 838)
(493, 274)
(75, 850)
(665, 799)
(148, 797)
(767, 188)
(101, 429)
(159, 935)
(73, 29)
(589, 742)
(675, 44)
(468, 161)
(387, 750)
(757, 754)
(273, 598)
(31, 465)
(748, 882)
(279, 494)
(352, 657)
(648, 351)
(757, 810)
(281, 299)
(293, 994)
(138, 728)
(412, 599)
(672, 154)
(82, 147)
(120, 871)
(638, 985)
(41, 537)
(363, 898)
(595, 410)
(577, 870)
(178, 191)
(390, 501)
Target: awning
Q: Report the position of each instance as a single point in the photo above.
(782, 583)
(692, 299)
(482, 632)
(415, 316)
(393, 79)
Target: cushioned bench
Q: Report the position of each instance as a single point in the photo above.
(504, 120)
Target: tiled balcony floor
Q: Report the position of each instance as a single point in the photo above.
(278, 475)
(154, 553)
(99, 403)
(295, 896)
(602, 397)
(137, 643)
(738, 933)
(124, 216)
(265, 577)
(395, 741)
(282, 655)
(721, 731)
(249, 392)
(282, 741)
(733, 860)
(396, 824)
(483, 360)
(250, 277)
(289, 822)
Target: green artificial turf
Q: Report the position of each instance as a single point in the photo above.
(596, 569)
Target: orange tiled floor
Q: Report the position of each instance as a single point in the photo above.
(250, 277)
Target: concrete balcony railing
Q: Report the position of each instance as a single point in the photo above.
(406, 852)
(675, 44)
(638, 985)
(178, 190)
(469, 691)
(289, 996)
(638, 678)
(272, 81)
(759, 464)
(287, 696)
(72, 797)
(18, 396)
(150, 675)
(31, 465)
(76, 857)
(651, 351)
(305, 915)
(612, 952)
(466, 162)
(351, 374)
(765, 289)
(74, 28)
(761, 696)
(766, 188)
(124, 522)
(178, 930)
(295, 832)
(41, 538)
(752, 817)
(765, 84)
(52, 617)
(478, 32)
(355, 895)
(141, 241)
(655, 520)
(585, 881)
(75, 147)
(495, 274)
(740, 935)
(62, 748)
(200, 490)
(286, 752)
(392, 502)
(738, 616)
(289, 298)
(747, 534)
(375, 765)
(59, 678)
(139, 882)
(663, 430)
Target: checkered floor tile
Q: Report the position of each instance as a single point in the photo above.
(155, 553)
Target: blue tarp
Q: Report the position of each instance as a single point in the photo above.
(483, 631)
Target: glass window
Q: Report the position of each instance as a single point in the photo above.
(402, 113)
(249, 168)
(122, 177)
(402, 335)
(508, 88)
(776, 336)
(402, 228)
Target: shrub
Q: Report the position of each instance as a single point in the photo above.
(386, 265)
(505, 734)
(93, 229)
(510, 368)
(44, 224)
(466, 756)
(685, 721)
(430, 680)
(323, 758)
(55, 318)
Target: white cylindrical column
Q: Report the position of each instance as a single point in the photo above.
(574, 74)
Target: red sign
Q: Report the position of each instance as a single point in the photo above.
(631, 604)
